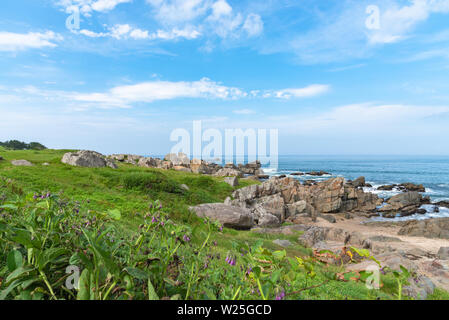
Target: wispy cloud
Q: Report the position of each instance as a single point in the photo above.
(162, 90)
(397, 21)
(309, 91)
(126, 96)
(10, 41)
(87, 6)
(125, 31)
(341, 33)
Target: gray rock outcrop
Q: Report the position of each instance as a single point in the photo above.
(21, 163)
(230, 216)
(429, 228)
(90, 159)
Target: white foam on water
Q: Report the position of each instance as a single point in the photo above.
(270, 170)
(443, 213)
(382, 193)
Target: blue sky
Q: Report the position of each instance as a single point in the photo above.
(334, 77)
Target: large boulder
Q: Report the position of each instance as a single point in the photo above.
(149, 162)
(21, 163)
(230, 216)
(232, 181)
(429, 228)
(200, 166)
(251, 168)
(90, 159)
(180, 159)
(182, 168)
(274, 205)
(315, 235)
(359, 182)
(228, 172)
(405, 204)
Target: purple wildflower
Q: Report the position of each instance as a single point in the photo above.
(186, 238)
(280, 296)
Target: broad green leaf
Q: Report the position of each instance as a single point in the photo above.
(152, 295)
(84, 286)
(21, 271)
(137, 273)
(14, 260)
(7, 291)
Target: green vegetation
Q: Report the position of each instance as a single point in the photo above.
(131, 236)
(19, 145)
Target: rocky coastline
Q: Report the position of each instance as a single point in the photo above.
(332, 214)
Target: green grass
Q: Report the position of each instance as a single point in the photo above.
(130, 189)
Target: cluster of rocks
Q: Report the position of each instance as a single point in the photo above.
(404, 187)
(285, 199)
(181, 162)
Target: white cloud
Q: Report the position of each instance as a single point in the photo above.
(215, 17)
(87, 6)
(126, 96)
(106, 5)
(92, 34)
(397, 21)
(253, 25)
(33, 40)
(220, 9)
(120, 30)
(309, 91)
(174, 12)
(161, 90)
(125, 31)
